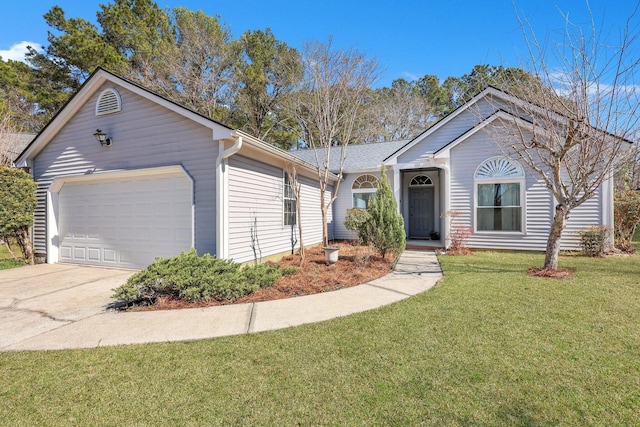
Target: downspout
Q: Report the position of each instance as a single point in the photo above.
(445, 224)
(222, 194)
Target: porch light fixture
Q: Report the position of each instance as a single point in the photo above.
(102, 138)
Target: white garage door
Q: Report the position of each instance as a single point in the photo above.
(125, 222)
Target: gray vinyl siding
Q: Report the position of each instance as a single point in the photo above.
(465, 159)
(144, 135)
(538, 203)
(445, 134)
(344, 202)
(586, 215)
(256, 203)
(310, 211)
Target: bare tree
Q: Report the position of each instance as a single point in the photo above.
(295, 190)
(326, 107)
(395, 113)
(8, 139)
(574, 129)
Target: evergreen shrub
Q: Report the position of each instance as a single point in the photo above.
(384, 229)
(192, 278)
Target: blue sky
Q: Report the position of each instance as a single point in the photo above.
(409, 38)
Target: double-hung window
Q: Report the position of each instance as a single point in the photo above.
(289, 202)
(499, 196)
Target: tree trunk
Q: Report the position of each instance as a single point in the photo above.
(325, 229)
(24, 242)
(555, 235)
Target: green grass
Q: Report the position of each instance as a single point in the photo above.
(488, 346)
(6, 261)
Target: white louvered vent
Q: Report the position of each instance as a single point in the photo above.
(108, 102)
(499, 167)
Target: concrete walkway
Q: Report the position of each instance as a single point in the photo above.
(74, 313)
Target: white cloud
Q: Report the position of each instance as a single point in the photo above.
(18, 50)
(410, 76)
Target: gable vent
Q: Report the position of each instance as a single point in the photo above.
(108, 102)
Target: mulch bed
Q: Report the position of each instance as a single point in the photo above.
(356, 265)
(560, 273)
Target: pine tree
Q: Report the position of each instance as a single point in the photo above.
(385, 226)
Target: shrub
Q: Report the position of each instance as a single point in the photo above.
(261, 275)
(17, 204)
(626, 216)
(594, 240)
(356, 220)
(384, 229)
(458, 234)
(190, 277)
(287, 271)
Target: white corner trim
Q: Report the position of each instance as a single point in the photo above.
(607, 202)
(222, 193)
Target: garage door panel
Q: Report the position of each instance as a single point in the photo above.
(94, 254)
(125, 222)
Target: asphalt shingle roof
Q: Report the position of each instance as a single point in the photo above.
(360, 156)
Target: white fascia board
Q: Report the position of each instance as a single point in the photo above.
(280, 155)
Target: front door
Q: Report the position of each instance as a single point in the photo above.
(420, 212)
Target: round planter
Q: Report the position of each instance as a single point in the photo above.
(331, 254)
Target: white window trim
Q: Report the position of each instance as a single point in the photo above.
(284, 198)
(500, 180)
(361, 191)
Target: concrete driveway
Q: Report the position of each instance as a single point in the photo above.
(41, 298)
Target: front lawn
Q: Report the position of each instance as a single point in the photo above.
(488, 346)
(6, 261)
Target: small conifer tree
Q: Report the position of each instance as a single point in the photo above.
(385, 226)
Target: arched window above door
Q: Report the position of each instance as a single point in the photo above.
(421, 181)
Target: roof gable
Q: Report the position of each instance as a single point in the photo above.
(488, 91)
(88, 89)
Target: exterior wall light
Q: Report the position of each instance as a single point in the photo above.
(102, 138)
